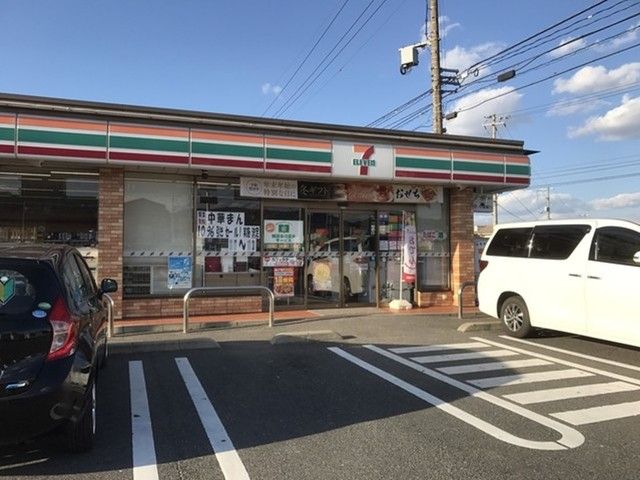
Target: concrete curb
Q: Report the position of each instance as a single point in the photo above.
(305, 337)
(144, 346)
(485, 326)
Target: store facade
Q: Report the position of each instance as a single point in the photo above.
(324, 215)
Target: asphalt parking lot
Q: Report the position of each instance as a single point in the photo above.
(398, 397)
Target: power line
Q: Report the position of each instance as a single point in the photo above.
(594, 179)
(344, 4)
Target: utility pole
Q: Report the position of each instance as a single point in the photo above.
(495, 121)
(434, 42)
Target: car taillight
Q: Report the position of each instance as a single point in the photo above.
(483, 264)
(63, 341)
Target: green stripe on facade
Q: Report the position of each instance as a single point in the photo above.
(7, 134)
(62, 138)
(136, 143)
(478, 167)
(519, 169)
(301, 155)
(426, 163)
(227, 150)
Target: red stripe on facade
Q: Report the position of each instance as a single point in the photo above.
(62, 152)
(147, 157)
(298, 168)
(225, 162)
(7, 149)
(412, 174)
(478, 178)
(518, 180)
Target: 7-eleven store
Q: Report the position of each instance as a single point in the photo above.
(165, 200)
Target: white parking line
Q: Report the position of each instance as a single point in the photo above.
(565, 393)
(436, 348)
(521, 378)
(570, 438)
(144, 451)
(453, 357)
(492, 366)
(599, 414)
(575, 354)
(228, 458)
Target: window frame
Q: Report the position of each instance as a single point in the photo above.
(594, 245)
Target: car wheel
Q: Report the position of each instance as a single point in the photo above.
(515, 317)
(79, 435)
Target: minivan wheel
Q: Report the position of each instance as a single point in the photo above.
(79, 435)
(515, 317)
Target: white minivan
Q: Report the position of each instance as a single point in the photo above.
(577, 276)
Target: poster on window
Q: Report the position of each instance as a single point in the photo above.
(283, 231)
(220, 224)
(409, 248)
(283, 282)
(179, 272)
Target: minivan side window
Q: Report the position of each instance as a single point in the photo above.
(615, 245)
(510, 242)
(556, 242)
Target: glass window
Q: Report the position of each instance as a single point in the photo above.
(158, 227)
(615, 245)
(556, 242)
(510, 242)
(77, 293)
(432, 228)
(228, 237)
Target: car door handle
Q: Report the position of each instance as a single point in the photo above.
(575, 275)
(591, 277)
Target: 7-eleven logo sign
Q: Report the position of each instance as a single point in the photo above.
(364, 158)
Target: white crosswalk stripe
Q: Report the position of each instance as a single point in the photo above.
(465, 359)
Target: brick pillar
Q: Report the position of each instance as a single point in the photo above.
(110, 230)
(462, 248)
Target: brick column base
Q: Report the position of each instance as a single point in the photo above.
(462, 246)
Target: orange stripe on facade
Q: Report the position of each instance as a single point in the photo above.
(423, 152)
(487, 157)
(143, 130)
(8, 119)
(61, 123)
(290, 142)
(361, 148)
(524, 160)
(226, 137)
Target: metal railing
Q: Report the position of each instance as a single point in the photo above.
(461, 291)
(187, 297)
(110, 308)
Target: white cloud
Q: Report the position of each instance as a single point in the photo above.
(619, 123)
(572, 107)
(461, 58)
(568, 45)
(593, 79)
(471, 122)
(630, 36)
(622, 200)
(268, 89)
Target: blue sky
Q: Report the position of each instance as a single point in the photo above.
(234, 57)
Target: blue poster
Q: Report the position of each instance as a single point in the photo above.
(180, 271)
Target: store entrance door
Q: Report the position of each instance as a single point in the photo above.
(341, 258)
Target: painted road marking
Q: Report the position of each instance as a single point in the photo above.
(554, 394)
(599, 414)
(492, 366)
(521, 378)
(436, 348)
(453, 357)
(570, 438)
(597, 371)
(144, 451)
(226, 454)
(575, 354)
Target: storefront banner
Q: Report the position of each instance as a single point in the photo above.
(409, 247)
(283, 231)
(268, 188)
(321, 191)
(283, 282)
(362, 160)
(179, 272)
(243, 245)
(280, 261)
(417, 194)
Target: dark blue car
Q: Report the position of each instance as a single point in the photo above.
(53, 340)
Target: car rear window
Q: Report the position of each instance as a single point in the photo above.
(510, 242)
(556, 242)
(26, 286)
